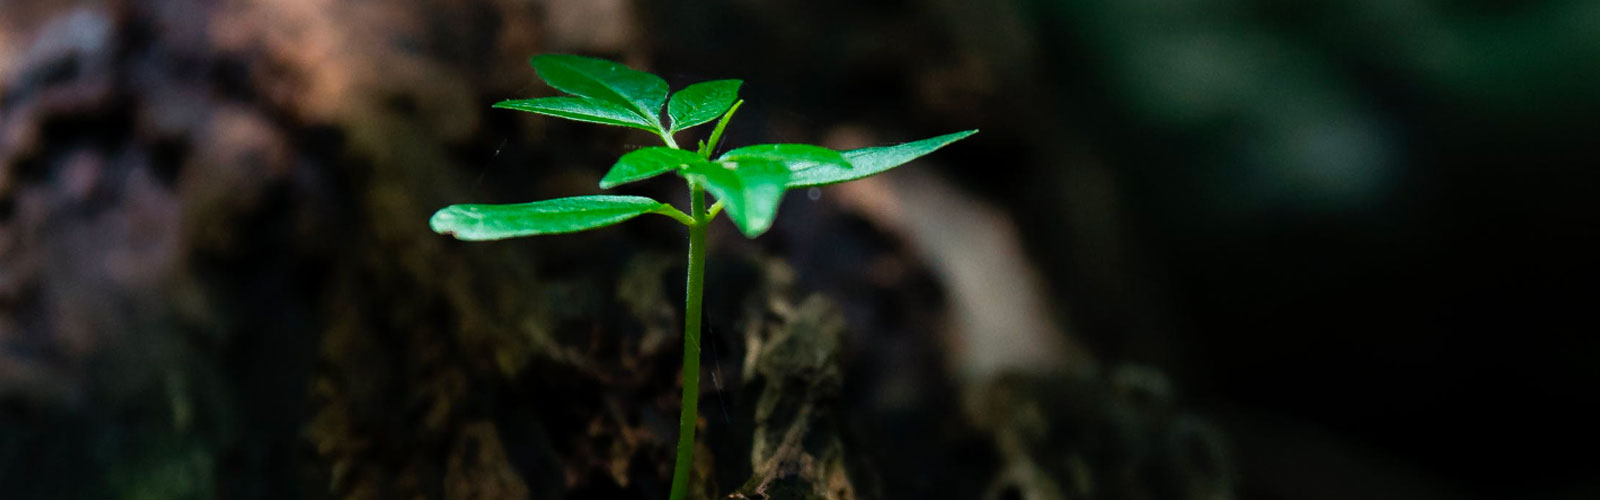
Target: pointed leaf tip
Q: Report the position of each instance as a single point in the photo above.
(561, 215)
(642, 93)
(867, 162)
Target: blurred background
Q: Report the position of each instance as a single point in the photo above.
(1201, 249)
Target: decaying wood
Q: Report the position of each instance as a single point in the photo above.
(797, 450)
(213, 240)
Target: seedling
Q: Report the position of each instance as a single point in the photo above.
(747, 182)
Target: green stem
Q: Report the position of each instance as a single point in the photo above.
(710, 146)
(678, 215)
(691, 343)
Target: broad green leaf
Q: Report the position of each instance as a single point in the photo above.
(648, 162)
(561, 215)
(797, 157)
(605, 80)
(750, 190)
(701, 102)
(582, 109)
(872, 161)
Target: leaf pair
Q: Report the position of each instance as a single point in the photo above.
(751, 189)
(608, 93)
(754, 178)
(749, 181)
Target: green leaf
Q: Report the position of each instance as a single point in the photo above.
(605, 80)
(797, 157)
(582, 109)
(701, 102)
(561, 215)
(750, 190)
(648, 162)
(872, 161)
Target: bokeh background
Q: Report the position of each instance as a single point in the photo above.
(1201, 249)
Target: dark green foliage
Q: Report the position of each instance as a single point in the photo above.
(748, 181)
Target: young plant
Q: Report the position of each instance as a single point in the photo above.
(747, 182)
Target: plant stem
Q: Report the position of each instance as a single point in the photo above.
(710, 145)
(678, 215)
(691, 343)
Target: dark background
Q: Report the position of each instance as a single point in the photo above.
(1357, 236)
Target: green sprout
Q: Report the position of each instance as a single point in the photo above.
(747, 182)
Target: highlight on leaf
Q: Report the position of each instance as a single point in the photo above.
(641, 92)
(583, 109)
(561, 215)
(867, 162)
(749, 189)
(648, 162)
(700, 103)
(796, 157)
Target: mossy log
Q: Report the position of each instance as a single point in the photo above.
(218, 281)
